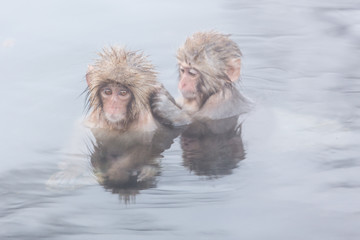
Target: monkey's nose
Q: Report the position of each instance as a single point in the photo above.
(115, 99)
(182, 84)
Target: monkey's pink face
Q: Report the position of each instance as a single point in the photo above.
(115, 100)
(189, 78)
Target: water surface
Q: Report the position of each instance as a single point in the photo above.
(299, 178)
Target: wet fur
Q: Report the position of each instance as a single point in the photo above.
(130, 69)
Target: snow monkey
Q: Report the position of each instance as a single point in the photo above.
(120, 139)
(120, 85)
(209, 66)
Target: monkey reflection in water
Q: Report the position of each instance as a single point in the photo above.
(212, 148)
(129, 162)
(120, 135)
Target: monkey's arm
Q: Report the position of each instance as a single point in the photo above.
(167, 112)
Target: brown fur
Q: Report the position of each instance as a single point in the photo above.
(212, 54)
(128, 68)
(211, 93)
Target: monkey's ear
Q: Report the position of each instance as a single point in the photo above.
(233, 70)
(88, 72)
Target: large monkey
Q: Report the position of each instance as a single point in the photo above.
(209, 69)
(116, 143)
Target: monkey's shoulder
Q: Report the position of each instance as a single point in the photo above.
(224, 104)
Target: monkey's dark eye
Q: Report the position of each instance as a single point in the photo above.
(192, 72)
(182, 70)
(123, 92)
(107, 91)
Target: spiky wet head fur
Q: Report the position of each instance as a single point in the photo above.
(128, 68)
(211, 54)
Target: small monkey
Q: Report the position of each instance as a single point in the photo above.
(120, 139)
(120, 85)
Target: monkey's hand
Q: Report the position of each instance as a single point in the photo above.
(167, 111)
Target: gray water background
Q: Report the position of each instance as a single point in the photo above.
(300, 178)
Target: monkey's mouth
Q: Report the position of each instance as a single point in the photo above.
(188, 94)
(114, 117)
